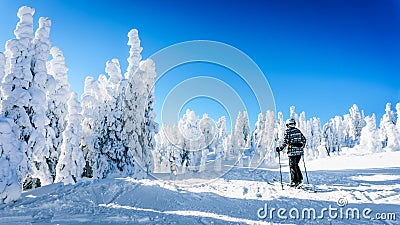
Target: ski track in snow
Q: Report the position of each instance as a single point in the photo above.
(231, 199)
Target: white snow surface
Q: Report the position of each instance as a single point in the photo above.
(362, 181)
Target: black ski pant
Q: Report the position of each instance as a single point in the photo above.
(295, 173)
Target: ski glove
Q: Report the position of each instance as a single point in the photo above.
(278, 149)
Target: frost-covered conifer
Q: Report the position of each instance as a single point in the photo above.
(356, 124)
(24, 94)
(389, 134)
(221, 142)
(71, 162)
(11, 156)
(91, 128)
(134, 53)
(57, 105)
(256, 137)
(369, 141)
(268, 139)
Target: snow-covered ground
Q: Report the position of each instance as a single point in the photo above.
(369, 183)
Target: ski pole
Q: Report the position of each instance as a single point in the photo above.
(280, 168)
(305, 169)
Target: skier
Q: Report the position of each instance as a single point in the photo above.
(295, 142)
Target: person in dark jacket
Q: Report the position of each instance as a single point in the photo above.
(295, 141)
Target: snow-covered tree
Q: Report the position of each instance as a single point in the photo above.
(280, 129)
(133, 108)
(113, 144)
(91, 127)
(134, 53)
(305, 128)
(193, 146)
(389, 135)
(24, 94)
(165, 159)
(368, 139)
(175, 150)
(71, 162)
(240, 137)
(57, 105)
(207, 128)
(356, 124)
(268, 141)
(15, 94)
(315, 141)
(2, 74)
(150, 127)
(333, 135)
(256, 137)
(11, 156)
(398, 117)
(302, 124)
(293, 114)
(42, 164)
(138, 125)
(221, 142)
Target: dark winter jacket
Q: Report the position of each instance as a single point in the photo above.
(295, 141)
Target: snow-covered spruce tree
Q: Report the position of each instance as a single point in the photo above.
(389, 134)
(138, 126)
(305, 128)
(133, 107)
(193, 151)
(134, 53)
(335, 135)
(175, 150)
(311, 129)
(15, 94)
(11, 156)
(293, 114)
(221, 142)
(302, 124)
(240, 135)
(163, 158)
(234, 146)
(24, 97)
(108, 155)
(328, 136)
(57, 105)
(133, 123)
(280, 129)
(2, 74)
(118, 124)
(44, 160)
(316, 138)
(113, 145)
(2, 67)
(91, 129)
(347, 138)
(268, 138)
(368, 138)
(207, 127)
(208, 131)
(71, 162)
(256, 137)
(150, 127)
(356, 124)
(398, 117)
(340, 134)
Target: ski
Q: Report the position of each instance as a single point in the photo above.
(305, 187)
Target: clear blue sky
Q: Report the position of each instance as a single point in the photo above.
(321, 56)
